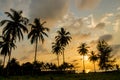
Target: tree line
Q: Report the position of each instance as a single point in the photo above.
(35, 68)
(16, 25)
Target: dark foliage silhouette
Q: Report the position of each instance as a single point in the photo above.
(93, 57)
(57, 49)
(83, 50)
(27, 68)
(37, 33)
(106, 60)
(1, 67)
(6, 44)
(14, 26)
(63, 38)
(66, 66)
(13, 67)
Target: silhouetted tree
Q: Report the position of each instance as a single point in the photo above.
(106, 60)
(14, 26)
(63, 38)
(83, 50)
(37, 33)
(117, 67)
(66, 66)
(27, 68)
(13, 67)
(1, 67)
(51, 66)
(57, 49)
(37, 67)
(93, 57)
(6, 45)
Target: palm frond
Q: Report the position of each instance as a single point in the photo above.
(9, 15)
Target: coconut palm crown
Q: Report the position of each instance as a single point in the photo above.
(37, 33)
(83, 50)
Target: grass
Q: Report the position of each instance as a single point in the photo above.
(88, 76)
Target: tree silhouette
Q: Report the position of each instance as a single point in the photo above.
(63, 38)
(37, 33)
(50, 66)
(93, 57)
(14, 26)
(37, 67)
(66, 66)
(13, 67)
(1, 67)
(57, 49)
(83, 50)
(6, 45)
(27, 68)
(106, 60)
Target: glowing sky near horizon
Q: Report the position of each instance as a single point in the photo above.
(86, 20)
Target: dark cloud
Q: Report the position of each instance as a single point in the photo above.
(74, 60)
(40, 49)
(100, 25)
(50, 10)
(24, 58)
(116, 50)
(86, 4)
(106, 37)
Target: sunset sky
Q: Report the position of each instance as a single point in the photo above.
(87, 20)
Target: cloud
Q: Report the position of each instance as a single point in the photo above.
(87, 4)
(50, 10)
(116, 24)
(5, 5)
(106, 37)
(100, 25)
(116, 50)
(40, 49)
(24, 58)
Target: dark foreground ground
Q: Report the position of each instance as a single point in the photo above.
(87, 76)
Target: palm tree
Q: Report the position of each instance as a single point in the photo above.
(63, 39)
(6, 45)
(57, 49)
(83, 50)
(106, 60)
(14, 26)
(93, 57)
(38, 31)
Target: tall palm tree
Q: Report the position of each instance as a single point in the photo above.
(63, 39)
(37, 33)
(57, 49)
(83, 50)
(6, 45)
(15, 26)
(93, 57)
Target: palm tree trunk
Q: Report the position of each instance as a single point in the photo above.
(63, 57)
(83, 65)
(4, 60)
(35, 51)
(94, 67)
(9, 55)
(9, 58)
(58, 59)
